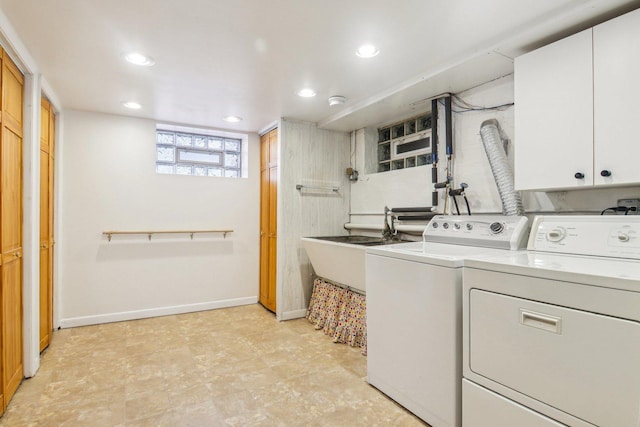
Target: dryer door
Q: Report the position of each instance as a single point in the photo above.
(581, 363)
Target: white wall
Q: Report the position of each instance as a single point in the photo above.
(412, 187)
(308, 156)
(470, 160)
(109, 183)
(398, 188)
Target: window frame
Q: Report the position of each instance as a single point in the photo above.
(242, 152)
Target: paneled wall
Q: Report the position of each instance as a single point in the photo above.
(308, 156)
(109, 183)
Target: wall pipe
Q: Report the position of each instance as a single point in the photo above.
(406, 210)
(449, 126)
(409, 229)
(434, 149)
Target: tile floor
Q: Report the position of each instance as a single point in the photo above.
(228, 367)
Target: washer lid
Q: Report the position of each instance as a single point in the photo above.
(452, 256)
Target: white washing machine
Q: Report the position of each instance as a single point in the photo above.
(414, 311)
(552, 336)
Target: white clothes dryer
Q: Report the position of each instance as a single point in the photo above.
(551, 336)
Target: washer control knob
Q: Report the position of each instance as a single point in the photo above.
(434, 224)
(496, 227)
(556, 234)
(469, 226)
(456, 226)
(623, 236)
(445, 225)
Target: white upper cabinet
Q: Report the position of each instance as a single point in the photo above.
(554, 115)
(575, 111)
(616, 72)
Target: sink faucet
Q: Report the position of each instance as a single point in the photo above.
(388, 232)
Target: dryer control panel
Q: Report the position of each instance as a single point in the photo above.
(489, 231)
(610, 236)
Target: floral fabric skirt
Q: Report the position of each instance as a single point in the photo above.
(340, 313)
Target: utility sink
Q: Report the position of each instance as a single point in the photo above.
(340, 259)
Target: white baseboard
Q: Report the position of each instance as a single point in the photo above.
(154, 312)
(295, 314)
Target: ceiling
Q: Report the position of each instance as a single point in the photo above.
(250, 57)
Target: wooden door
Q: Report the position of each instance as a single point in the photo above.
(268, 218)
(11, 227)
(264, 219)
(46, 222)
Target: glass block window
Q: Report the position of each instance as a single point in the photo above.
(185, 151)
(405, 145)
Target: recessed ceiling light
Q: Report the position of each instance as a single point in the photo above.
(367, 51)
(307, 93)
(132, 105)
(139, 59)
(232, 119)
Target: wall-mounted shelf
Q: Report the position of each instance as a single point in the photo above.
(110, 234)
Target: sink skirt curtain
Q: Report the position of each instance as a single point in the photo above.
(339, 312)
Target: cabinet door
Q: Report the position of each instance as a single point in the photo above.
(616, 73)
(554, 115)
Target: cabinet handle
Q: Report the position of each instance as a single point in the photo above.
(605, 172)
(43, 246)
(17, 254)
(579, 175)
